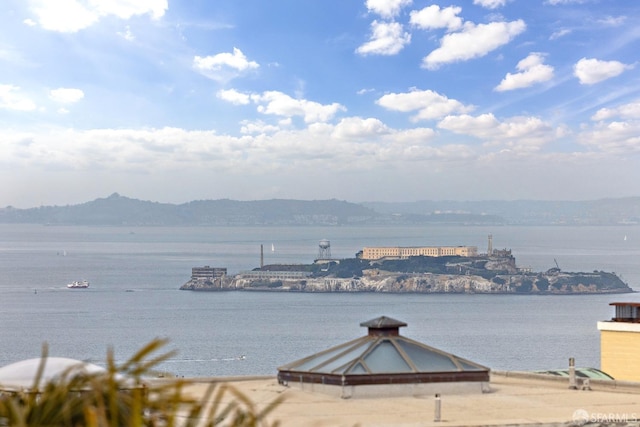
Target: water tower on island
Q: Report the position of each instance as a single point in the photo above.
(324, 250)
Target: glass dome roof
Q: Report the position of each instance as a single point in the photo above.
(384, 353)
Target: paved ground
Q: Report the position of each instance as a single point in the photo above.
(514, 399)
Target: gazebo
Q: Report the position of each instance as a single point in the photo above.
(384, 363)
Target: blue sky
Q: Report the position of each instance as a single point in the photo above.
(385, 100)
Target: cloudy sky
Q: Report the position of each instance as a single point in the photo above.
(359, 100)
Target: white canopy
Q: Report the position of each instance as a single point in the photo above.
(21, 375)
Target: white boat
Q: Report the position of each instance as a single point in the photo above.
(78, 285)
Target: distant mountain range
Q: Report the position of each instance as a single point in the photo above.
(117, 210)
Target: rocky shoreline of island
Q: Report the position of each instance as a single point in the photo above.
(551, 282)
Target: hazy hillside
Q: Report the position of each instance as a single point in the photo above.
(120, 210)
(590, 212)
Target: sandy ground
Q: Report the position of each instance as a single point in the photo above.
(512, 401)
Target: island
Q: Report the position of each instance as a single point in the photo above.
(457, 269)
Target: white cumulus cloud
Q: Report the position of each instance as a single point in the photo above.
(629, 111)
(257, 127)
(356, 128)
(66, 95)
(281, 104)
(591, 71)
(69, 16)
(414, 136)
(616, 137)
(387, 8)
(433, 17)
(520, 134)
(224, 66)
(234, 97)
(387, 38)
(473, 41)
(532, 70)
(490, 4)
(481, 126)
(428, 104)
(11, 98)
(125, 9)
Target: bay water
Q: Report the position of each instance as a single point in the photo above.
(135, 273)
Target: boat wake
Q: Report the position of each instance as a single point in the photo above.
(223, 359)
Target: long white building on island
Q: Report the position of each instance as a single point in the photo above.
(399, 252)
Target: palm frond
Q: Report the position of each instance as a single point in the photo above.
(122, 396)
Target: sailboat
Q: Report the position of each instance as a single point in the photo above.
(273, 248)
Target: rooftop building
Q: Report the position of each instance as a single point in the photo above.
(384, 363)
(620, 342)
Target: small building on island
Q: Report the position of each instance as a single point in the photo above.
(384, 363)
(208, 273)
(206, 278)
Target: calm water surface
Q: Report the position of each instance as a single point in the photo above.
(135, 274)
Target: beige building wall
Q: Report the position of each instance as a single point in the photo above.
(620, 350)
(405, 252)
